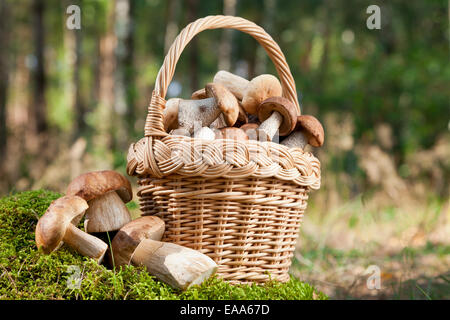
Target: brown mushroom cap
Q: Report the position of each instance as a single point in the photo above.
(199, 94)
(232, 133)
(242, 116)
(259, 89)
(225, 100)
(251, 130)
(94, 184)
(52, 226)
(312, 128)
(131, 234)
(284, 107)
(249, 126)
(170, 117)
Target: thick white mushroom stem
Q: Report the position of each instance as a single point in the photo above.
(129, 237)
(271, 125)
(203, 111)
(178, 266)
(106, 213)
(232, 82)
(296, 140)
(84, 243)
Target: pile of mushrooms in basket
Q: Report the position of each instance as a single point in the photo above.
(230, 107)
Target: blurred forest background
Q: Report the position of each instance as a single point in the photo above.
(73, 100)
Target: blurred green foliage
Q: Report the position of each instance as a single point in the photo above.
(398, 76)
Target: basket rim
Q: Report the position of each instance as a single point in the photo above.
(193, 157)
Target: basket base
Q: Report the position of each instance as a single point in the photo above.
(249, 227)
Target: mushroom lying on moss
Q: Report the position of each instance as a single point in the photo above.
(106, 193)
(58, 224)
(28, 274)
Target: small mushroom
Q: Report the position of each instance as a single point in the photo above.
(276, 114)
(178, 266)
(249, 126)
(131, 234)
(170, 114)
(308, 130)
(232, 133)
(220, 122)
(106, 193)
(253, 92)
(242, 117)
(187, 112)
(205, 133)
(58, 225)
(251, 130)
(199, 94)
(234, 83)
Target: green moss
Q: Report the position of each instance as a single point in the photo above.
(27, 274)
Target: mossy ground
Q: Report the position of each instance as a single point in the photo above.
(25, 273)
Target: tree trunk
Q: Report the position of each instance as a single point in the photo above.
(4, 39)
(192, 11)
(267, 24)
(225, 49)
(79, 103)
(130, 75)
(38, 108)
(171, 23)
(105, 114)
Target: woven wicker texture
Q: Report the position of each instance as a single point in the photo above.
(239, 202)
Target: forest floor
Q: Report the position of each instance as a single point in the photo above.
(338, 251)
(408, 245)
(407, 241)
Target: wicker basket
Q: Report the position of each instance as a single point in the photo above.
(239, 202)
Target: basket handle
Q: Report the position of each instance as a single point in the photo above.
(154, 122)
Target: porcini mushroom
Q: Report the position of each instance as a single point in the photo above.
(178, 266)
(232, 133)
(276, 114)
(205, 133)
(308, 130)
(251, 130)
(58, 224)
(252, 92)
(234, 83)
(204, 111)
(170, 114)
(199, 94)
(242, 117)
(179, 132)
(106, 193)
(219, 122)
(131, 234)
